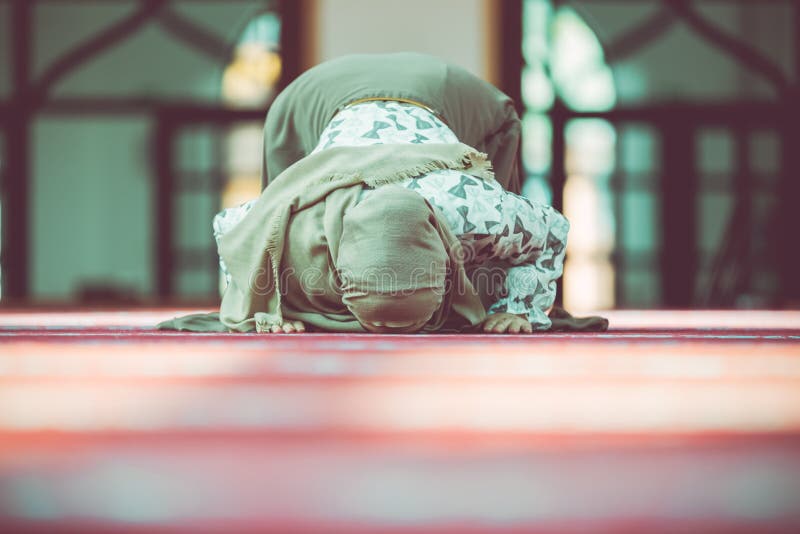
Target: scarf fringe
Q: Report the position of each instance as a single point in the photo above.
(339, 177)
(273, 252)
(474, 163)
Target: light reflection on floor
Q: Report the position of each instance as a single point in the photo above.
(618, 319)
(675, 421)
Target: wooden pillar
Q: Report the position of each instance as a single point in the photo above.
(558, 168)
(16, 178)
(510, 51)
(164, 191)
(789, 188)
(295, 40)
(678, 188)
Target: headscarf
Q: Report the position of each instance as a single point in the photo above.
(392, 261)
(296, 226)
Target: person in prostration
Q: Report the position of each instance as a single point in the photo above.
(391, 204)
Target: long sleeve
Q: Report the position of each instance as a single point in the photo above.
(535, 247)
(500, 228)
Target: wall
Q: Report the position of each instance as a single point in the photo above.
(451, 29)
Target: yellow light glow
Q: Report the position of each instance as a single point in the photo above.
(250, 79)
(588, 285)
(590, 216)
(239, 189)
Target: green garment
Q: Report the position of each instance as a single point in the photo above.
(479, 114)
(399, 272)
(563, 321)
(300, 218)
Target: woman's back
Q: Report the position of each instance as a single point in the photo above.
(481, 115)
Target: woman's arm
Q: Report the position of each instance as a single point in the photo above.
(530, 240)
(503, 233)
(535, 249)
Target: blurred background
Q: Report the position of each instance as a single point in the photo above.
(666, 131)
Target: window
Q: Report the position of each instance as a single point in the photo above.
(564, 65)
(250, 80)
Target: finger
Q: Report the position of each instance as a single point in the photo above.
(502, 325)
(514, 327)
(527, 327)
(288, 328)
(299, 326)
(276, 329)
(489, 323)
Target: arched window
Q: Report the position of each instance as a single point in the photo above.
(251, 77)
(565, 65)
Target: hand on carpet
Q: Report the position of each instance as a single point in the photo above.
(289, 327)
(502, 323)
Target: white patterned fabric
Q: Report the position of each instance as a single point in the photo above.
(223, 222)
(495, 227)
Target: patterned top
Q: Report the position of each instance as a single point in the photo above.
(496, 228)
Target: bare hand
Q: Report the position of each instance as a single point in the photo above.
(502, 323)
(289, 327)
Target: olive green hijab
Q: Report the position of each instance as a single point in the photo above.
(393, 261)
(306, 249)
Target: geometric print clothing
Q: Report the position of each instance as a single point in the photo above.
(496, 228)
(503, 234)
(377, 122)
(517, 245)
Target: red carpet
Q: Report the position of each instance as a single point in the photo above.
(670, 422)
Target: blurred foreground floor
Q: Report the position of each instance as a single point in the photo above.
(670, 422)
